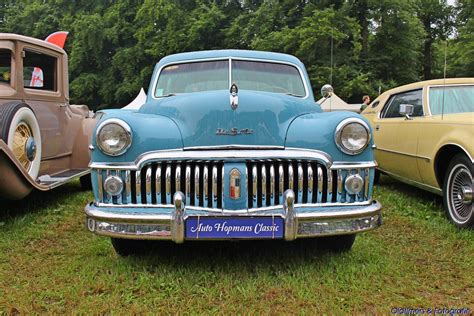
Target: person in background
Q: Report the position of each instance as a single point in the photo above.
(365, 102)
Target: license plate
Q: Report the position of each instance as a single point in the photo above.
(234, 227)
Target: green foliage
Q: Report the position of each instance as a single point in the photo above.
(114, 45)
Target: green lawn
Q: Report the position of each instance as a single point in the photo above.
(49, 263)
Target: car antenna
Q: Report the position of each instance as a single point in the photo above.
(444, 75)
(330, 74)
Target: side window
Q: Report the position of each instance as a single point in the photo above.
(451, 99)
(5, 66)
(39, 71)
(375, 104)
(414, 97)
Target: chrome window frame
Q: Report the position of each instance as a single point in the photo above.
(229, 59)
(390, 100)
(428, 87)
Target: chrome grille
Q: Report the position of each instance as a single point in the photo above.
(266, 187)
(202, 183)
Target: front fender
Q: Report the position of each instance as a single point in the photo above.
(15, 183)
(316, 131)
(149, 133)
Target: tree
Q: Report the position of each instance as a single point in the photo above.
(437, 18)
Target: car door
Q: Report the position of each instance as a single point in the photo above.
(43, 93)
(396, 136)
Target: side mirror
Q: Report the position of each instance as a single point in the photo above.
(327, 90)
(406, 110)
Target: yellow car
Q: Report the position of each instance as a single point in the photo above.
(424, 136)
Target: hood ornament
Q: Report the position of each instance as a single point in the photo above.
(234, 98)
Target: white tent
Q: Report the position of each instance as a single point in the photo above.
(335, 103)
(137, 102)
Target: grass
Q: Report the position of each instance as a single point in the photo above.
(49, 263)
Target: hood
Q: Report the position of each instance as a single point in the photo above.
(261, 118)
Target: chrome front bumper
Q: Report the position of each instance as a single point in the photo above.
(300, 220)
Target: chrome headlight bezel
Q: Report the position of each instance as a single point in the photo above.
(338, 134)
(127, 130)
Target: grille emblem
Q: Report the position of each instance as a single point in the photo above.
(234, 188)
(234, 98)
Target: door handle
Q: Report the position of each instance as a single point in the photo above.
(377, 127)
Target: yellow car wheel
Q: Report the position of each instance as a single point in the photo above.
(458, 191)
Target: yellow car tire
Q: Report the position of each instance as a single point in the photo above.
(458, 192)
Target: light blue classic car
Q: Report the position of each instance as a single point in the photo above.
(230, 144)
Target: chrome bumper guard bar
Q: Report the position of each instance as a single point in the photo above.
(298, 224)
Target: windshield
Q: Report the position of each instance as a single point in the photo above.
(5, 66)
(214, 75)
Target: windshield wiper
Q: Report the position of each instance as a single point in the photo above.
(167, 95)
(293, 95)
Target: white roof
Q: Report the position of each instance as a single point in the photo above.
(335, 103)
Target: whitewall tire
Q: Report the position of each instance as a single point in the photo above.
(20, 131)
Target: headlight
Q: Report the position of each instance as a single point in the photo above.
(352, 136)
(114, 137)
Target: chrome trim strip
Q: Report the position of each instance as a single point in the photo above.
(197, 189)
(281, 183)
(168, 184)
(177, 178)
(300, 183)
(353, 165)
(263, 187)
(158, 183)
(223, 186)
(339, 184)
(100, 186)
(229, 59)
(291, 178)
(206, 185)
(320, 184)
(138, 186)
(214, 187)
(180, 155)
(254, 186)
(148, 184)
(330, 181)
(230, 212)
(187, 175)
(233, 147)
(366, 183)
(310, 183)
(128, 187)
(291, 222)
(272, 184)
(402, 153)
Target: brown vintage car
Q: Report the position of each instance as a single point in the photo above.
(43, 138)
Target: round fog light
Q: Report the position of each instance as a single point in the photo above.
(354, 184)
(113, 185)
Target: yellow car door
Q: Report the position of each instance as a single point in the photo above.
(396, 135)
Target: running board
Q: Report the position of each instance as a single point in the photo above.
(60, 178)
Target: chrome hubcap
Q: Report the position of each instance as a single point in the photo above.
(461, 193)
(466, 194)
(30, 148)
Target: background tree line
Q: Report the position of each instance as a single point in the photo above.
(377, 44)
